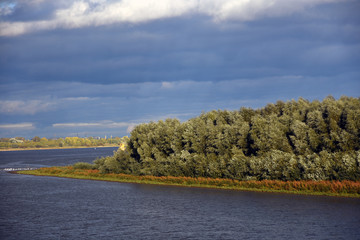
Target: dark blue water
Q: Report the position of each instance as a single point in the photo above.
(54, 208)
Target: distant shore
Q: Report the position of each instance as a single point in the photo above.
(49, 148)
(325, 188)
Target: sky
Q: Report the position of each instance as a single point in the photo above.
(100, 67)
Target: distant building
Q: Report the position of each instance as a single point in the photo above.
(14, 140)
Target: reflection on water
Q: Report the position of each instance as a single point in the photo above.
(55, 208)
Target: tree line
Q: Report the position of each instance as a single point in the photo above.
(294, 140)
(37, 142)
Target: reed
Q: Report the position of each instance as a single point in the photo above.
(332, 188)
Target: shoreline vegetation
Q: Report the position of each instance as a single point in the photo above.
(37, 143)
(344, 188)
(50, 148)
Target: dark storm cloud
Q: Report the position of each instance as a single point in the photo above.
(197, 50)
(90, 71)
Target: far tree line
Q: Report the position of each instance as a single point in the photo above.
(37, 142)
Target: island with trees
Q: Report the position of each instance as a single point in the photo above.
(294, 146)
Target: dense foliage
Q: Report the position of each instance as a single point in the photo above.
(37, 142)
(295, 140)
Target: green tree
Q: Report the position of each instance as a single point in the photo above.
(36, 139)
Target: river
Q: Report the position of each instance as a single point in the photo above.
(33, 207)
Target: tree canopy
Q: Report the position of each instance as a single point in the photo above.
(294, 140)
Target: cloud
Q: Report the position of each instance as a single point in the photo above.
(85, 13)
(98, 13)
(6, 8)
(190, 48)
(126, 105)
(17, 126)
(24, 107)
(244, 10)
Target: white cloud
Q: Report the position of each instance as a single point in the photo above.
(245, 10)
(24, 107)
(84, 13)
(17, 126)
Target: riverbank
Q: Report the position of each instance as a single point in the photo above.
(328, 188)
(49, 148)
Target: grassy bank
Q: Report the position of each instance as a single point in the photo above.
(329, 188)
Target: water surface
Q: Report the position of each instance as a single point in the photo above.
(57, 208)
